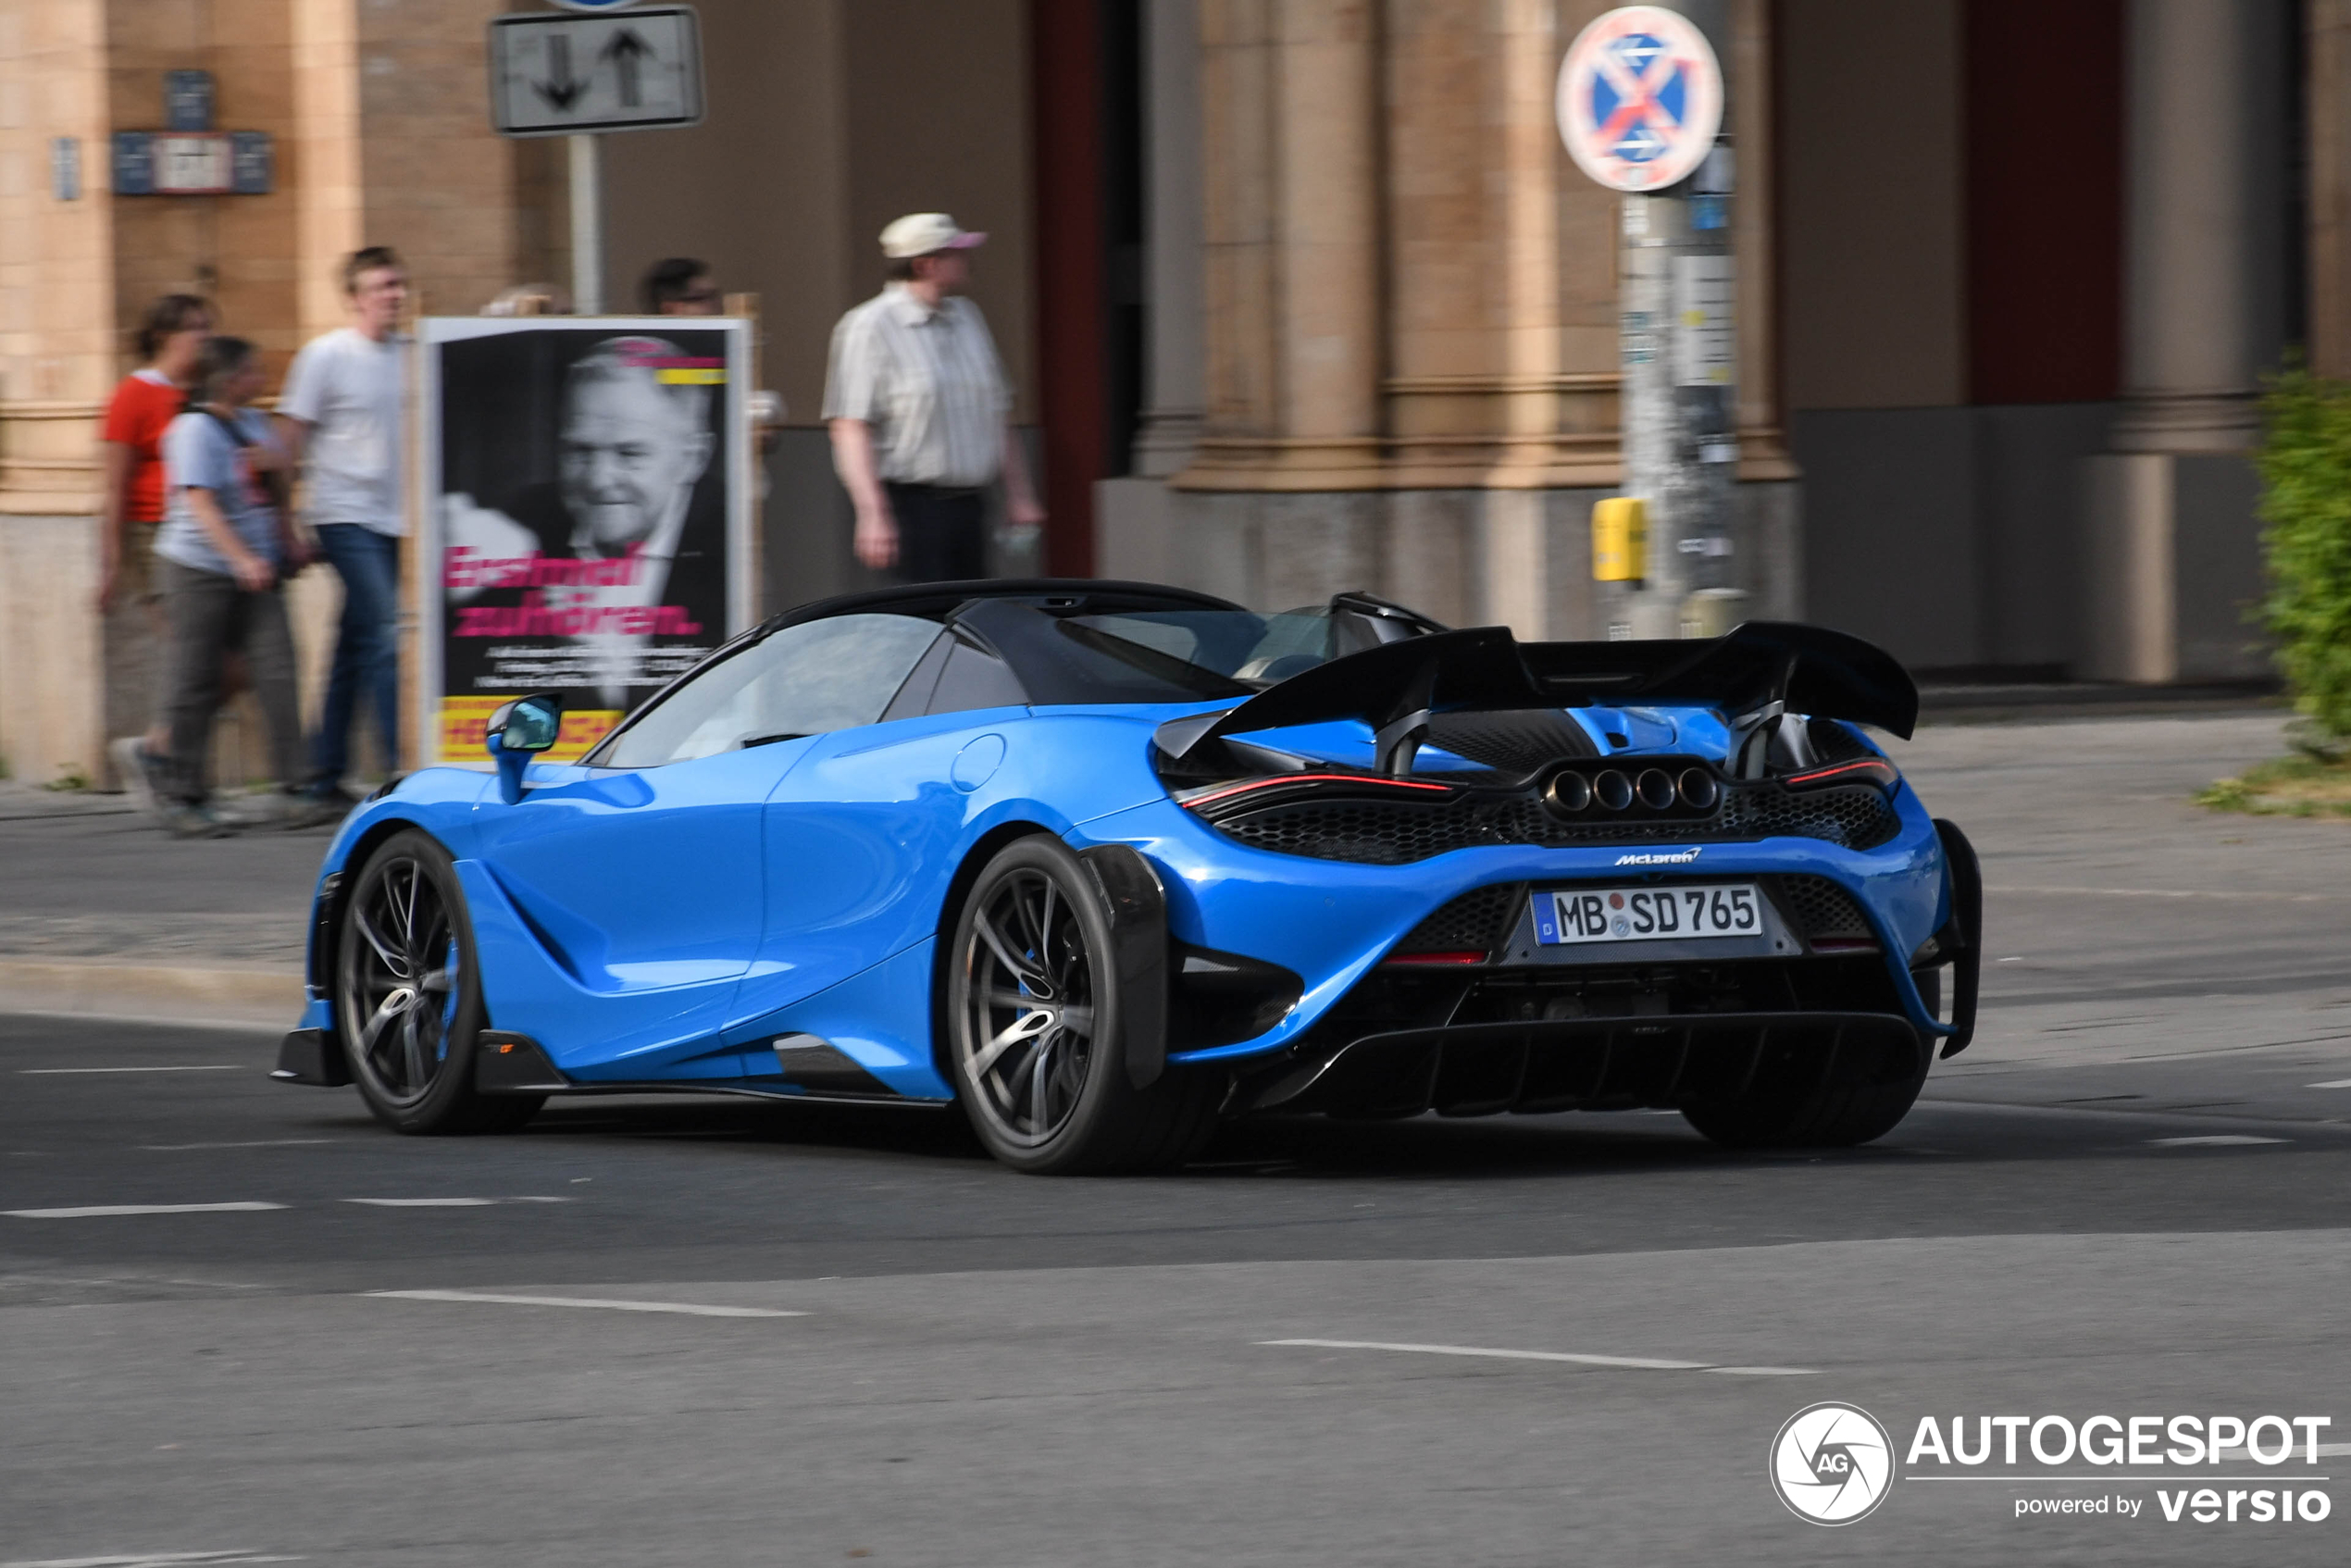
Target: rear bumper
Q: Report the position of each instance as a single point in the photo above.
(1594, 1065)
(1333, 922)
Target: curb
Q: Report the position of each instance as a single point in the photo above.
(265, 998)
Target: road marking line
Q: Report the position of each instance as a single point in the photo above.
(153, 1560)
(1765, 1371)
(423, 1203)
(2331, 1083)
(2214, 1140)
(689, 1308)
(207, 1067)
(97, 1208)
(2175, 893)
(530, 1200)
(258, 1143)
(1637, 1363)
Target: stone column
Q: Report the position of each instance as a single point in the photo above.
(1174, 234)
(1512, 530)
(1328, 200)
(2172, 553)
(2189, 353)
(57, 364)
(2328, 51)
(1293, 246)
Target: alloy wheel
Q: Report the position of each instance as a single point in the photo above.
(1027, 1032)
(399, 968)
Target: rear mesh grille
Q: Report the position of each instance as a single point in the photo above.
(1821, 908)
(1476, 922)
(1397, 833)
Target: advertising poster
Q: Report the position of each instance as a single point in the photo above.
(587, 514)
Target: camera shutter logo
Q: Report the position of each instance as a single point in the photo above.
(1832, 1463)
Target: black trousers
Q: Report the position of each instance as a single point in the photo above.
(942, 533)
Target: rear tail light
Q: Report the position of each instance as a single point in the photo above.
(1867, 770)
(1223, 799)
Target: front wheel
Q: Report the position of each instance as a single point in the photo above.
(408, 998)
(1034, 1020)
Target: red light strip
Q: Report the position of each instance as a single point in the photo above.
(1437, 958)
(1876, 767)
(1195, 802)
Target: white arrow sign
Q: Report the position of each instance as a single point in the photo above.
(551, 74)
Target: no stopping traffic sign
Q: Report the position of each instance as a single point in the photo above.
(1640, 98)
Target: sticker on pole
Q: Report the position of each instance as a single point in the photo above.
(1640, 98)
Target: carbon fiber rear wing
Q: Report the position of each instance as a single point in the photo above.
(1396, 686)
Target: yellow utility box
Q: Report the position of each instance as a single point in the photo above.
(1619, 540)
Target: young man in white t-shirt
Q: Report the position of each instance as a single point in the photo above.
(344, 412)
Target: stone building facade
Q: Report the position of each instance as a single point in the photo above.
(1384, 313)
(1305, 294)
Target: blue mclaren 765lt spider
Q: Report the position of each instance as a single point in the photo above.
(1107, 863)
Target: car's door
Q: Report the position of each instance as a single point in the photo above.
(641, 876)
(860, 835)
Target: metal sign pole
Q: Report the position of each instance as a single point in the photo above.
(1643, 607)
(587, 227)
(1705, 402)
(1640, 105)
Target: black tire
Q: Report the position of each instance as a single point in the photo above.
(1822, 1118)
(1033, 1028)
(408, 995)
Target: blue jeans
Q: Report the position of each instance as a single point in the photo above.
(367, 656)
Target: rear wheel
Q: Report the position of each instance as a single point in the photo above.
(408, 998)
(1822, 1118)
(1033, 1019)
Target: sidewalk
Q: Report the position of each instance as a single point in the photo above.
(1959, 702)
(101, 914)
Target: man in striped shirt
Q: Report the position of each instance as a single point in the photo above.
(918, 407)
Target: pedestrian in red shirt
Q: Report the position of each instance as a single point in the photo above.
(169, 341)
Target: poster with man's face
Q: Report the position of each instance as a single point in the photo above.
(588, 521)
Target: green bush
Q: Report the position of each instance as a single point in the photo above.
(2306, 505)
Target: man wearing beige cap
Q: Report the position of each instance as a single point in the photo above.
(918, 407)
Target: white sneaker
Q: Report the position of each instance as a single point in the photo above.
(137, 771)
(277, 808)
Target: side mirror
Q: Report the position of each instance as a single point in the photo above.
(518, 731)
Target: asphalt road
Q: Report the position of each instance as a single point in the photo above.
(2129, 1199)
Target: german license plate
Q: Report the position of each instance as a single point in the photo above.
(1566, 916)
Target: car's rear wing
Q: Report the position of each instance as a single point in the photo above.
(1396, 686)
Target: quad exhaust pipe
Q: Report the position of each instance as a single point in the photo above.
(1690, 792)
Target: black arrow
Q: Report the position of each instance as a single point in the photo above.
(625, 52)
(561, 90)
